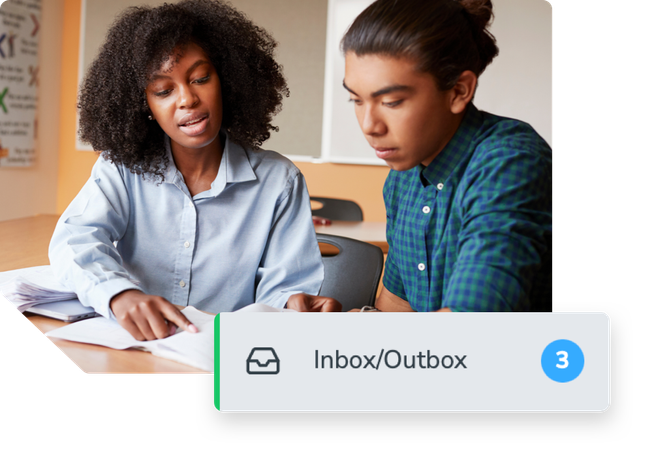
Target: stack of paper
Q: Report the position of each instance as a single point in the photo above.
(25, 288)
(184, 347)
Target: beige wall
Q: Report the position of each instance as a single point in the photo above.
(300, 28)
(29, 191)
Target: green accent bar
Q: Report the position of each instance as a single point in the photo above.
(216, 366)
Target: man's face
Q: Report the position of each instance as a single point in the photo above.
(401, 112)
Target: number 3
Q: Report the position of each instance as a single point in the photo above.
(563, 358)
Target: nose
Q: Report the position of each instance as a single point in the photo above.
(370, 121)
(187, 97)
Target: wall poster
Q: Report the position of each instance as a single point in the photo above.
(19, 79)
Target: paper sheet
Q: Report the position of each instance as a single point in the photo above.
(184, 347)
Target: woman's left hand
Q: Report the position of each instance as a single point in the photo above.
(308, 303)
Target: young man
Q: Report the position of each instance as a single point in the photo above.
(469, 196)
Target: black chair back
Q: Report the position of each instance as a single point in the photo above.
(338, 209)
(351, 276)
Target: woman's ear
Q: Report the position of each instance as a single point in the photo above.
(462, 92)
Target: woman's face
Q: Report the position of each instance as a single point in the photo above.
(401, 112)
(185, 99)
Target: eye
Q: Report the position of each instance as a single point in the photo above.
(355, 101)
(201, 80)
(160, 90)
(392, 104)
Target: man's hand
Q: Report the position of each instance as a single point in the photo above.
(148, 317)
(388, 302)
(308, 303)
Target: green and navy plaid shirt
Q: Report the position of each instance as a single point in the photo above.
(473, 230)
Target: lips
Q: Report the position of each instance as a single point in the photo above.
(194, 124)
(191, 118)
(384, 152)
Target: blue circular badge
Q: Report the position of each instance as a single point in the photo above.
(562, 360)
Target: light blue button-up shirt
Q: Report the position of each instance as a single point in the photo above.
(248, 239)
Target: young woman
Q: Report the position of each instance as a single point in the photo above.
(182, 207)
(469, 196)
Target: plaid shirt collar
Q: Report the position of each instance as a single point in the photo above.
(460, 146)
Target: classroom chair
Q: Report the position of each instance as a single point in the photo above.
(338, 209)
(544, 289)
(352, 275)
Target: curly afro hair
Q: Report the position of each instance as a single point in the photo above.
(112, 103)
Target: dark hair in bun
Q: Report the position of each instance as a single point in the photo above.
(445, 37)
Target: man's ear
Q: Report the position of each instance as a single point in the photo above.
(462, 92)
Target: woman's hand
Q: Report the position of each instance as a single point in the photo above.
(308, 303)
(148, 317)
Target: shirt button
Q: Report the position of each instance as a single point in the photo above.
(182, 284)
(190, 204)
(421, 266)
(426, 209)
(440, 186)
(187, 244)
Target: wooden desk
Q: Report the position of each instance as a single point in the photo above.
(371, 232)
(24, 243)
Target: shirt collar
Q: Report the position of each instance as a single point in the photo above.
(237, 163)
(234, 167)
(460, 146)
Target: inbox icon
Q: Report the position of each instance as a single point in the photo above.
(262, 361)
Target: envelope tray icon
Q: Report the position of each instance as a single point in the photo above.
(263, 360)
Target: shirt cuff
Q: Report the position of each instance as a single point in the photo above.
(103, 292)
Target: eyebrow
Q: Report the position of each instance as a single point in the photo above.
(380, 92)
(157, 76)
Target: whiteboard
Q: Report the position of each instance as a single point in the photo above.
(517, 84)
